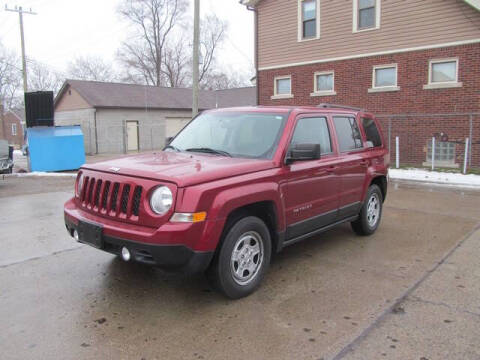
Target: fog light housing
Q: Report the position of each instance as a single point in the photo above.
(126, 254)
(75, 235)
(189, 217)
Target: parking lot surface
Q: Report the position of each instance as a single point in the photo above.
(409, 291)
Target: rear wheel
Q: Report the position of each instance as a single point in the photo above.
(371, 212)
(243, 259)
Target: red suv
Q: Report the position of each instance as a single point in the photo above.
(233, 187)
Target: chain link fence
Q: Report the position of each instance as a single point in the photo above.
(434, 141)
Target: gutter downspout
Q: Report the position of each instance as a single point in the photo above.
(96, 133)
(251, 8)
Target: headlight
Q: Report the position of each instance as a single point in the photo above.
(161, 200)
(79, 185)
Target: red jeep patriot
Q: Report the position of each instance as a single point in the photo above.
(233, 187)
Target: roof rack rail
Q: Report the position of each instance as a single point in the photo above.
(338, 106)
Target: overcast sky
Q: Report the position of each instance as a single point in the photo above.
(63, 29)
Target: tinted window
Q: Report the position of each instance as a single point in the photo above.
(313, 131)
(371, 131)
(348, 134)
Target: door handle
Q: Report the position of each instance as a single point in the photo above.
(364, 162)
(331, 169)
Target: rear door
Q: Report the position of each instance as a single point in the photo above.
(352, 164)
(311, 199)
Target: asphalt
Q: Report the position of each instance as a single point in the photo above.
(410, 291)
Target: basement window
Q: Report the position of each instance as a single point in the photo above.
(324, 83)
(384, 78)
(444, 153)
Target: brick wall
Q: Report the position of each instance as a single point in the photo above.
(353, 78)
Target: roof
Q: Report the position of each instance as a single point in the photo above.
(18, 113)
(236, 97)
(118, 95)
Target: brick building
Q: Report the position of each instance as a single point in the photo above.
(12, 130)
(415, 63)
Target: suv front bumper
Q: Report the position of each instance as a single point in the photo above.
(168, 256)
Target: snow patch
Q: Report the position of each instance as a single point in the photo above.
(454, 179)
(44, 174)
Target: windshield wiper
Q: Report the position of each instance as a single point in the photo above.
(171, 147)
(210, 151)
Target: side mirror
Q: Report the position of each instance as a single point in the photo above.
(168, 140)
(302, 152)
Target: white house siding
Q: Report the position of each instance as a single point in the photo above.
(83, 117)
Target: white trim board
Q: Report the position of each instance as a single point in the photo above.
(387, 52)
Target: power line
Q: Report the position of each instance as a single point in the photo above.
(20, 11)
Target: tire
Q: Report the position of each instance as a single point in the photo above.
(243, 258)
(371, 212)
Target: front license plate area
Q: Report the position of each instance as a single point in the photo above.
(90, 234)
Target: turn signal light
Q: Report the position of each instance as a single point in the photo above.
(189, 217)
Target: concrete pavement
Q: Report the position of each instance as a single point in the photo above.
(327, 297)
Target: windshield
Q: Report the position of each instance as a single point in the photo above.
(237, 134)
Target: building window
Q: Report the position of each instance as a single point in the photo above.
(14, 129)
(308, 19)
(282, 87)
(348, 133)
(444, 153)
(324, 83)
(443, 73)
(366, 15)
(384, 78)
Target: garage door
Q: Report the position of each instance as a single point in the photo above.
(174, 125)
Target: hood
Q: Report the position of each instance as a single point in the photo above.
(183, 169)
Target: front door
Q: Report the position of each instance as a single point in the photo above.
(311, 198)
(132, 135)
(352, 165)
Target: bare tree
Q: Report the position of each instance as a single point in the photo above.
(153, 22)
(43, 78)
(212, 35)
(10, 78)
(219, 80)
(91, 68)
(176, 64)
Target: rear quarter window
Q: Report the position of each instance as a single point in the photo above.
(371, 131)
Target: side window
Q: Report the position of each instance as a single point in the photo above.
(371, 131)
(348, 134)
(313, 131)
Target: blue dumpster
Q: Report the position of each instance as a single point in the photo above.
(56, 148)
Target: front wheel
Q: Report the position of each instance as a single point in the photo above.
(243, 259)
(371, 212)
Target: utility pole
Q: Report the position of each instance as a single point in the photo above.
(196, 55)
(20, 12)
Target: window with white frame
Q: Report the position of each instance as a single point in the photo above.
(14, 129)
(443, 71)
(444, 153)
(308, 19)
(366, 15)
(282, 87)
(384, 76)
(324, 83)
